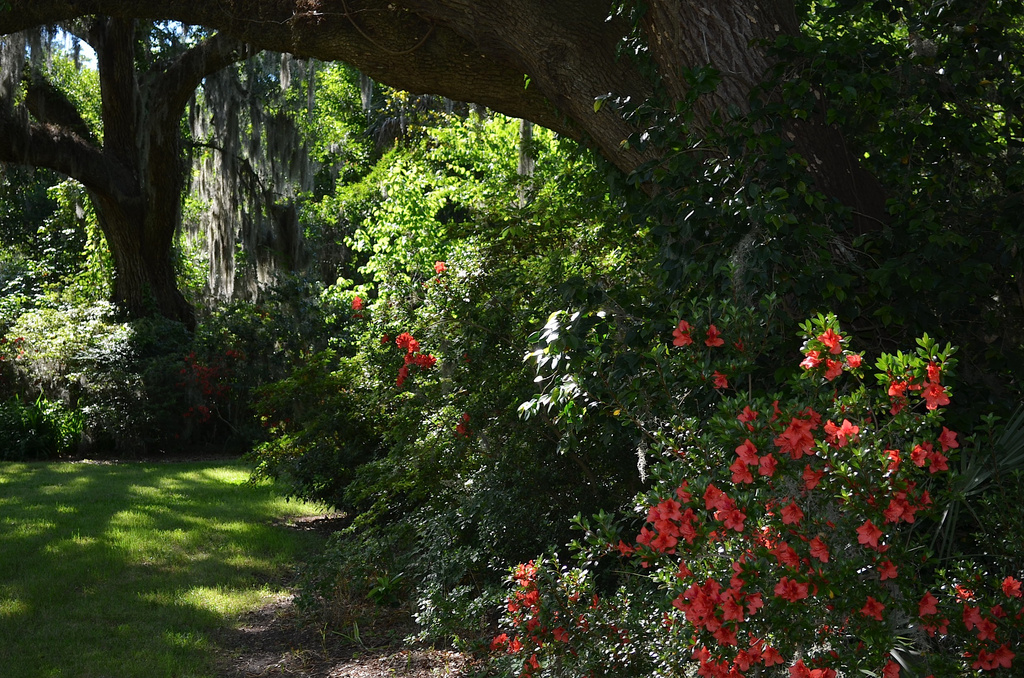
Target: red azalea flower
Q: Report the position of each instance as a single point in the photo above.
(792, 515)
(927, 605)
(937, 462)
(770, 657)
(934, 395)
(840, 435)
(721, 381)
(811, 360)
(833, 368)
(947, 439)
(819, 550)
(921, 453)
(1011, 587)
(797, 439)
(766, 465)
(831, 341)
(681, 334)
(714, 337)
(425, 361)
(868, 534)
(872, 608)
(439, 267)
(811, 477)
(747, 452)
(791, 590)
(894, 459)
(747, 416)
(886, 570)
(740, 472)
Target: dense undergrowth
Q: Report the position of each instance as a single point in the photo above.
(488, 342)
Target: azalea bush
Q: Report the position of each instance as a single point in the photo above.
(794, 535)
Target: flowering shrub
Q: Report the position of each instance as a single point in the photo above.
(784, 536)
(207, 383)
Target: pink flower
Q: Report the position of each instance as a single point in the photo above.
(439, 267)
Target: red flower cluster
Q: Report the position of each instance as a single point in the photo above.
(525, 608)
(462, 429)
(681, 337)
(829, 344)
(424, 361)
(932, 391)
(775, 535)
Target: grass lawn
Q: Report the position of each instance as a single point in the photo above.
(116, 571)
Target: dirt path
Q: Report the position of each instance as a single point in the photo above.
(272, 643)
(277, 641)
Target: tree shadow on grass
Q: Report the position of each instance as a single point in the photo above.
(126, 570)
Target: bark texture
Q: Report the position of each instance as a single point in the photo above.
(543, 60)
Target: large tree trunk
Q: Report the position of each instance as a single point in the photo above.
(143, 136)
(140, 244)
(137, 177)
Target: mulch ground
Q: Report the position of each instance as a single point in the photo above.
(273, 642)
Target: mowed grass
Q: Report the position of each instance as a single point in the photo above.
(117, 571)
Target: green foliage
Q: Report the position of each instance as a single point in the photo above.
(37, 430)
(925, 100)
(432, 459)
(771, 537)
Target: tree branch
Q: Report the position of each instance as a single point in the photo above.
(48, 105)
(179, 80)
(26, 143)
(483, 51)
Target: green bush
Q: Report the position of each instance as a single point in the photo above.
(37, 430)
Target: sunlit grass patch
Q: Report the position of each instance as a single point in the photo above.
(126, 570)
